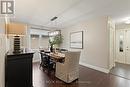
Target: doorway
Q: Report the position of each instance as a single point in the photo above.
(123, 46)
(122, 60)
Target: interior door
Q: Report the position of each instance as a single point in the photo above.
(128, 46)
(120, 46)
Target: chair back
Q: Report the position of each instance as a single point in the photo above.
(72, 60)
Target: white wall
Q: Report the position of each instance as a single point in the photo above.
(2, 26)
(96, 42)
(2, 58)
(2, 51)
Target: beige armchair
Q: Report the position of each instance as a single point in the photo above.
(69, 70)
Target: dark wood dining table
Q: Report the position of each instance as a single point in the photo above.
(57, 57)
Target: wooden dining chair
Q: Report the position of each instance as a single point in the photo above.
(46, 62)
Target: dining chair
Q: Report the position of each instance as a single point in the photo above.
(46, 62)
(69, 70)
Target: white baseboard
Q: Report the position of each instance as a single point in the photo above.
(95, 67)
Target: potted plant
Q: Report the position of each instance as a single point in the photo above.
(56, 40)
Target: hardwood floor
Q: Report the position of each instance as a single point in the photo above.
(88, 78)
(122, 70)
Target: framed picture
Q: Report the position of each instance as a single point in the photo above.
(76, 40)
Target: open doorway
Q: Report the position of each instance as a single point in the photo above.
(122, 59)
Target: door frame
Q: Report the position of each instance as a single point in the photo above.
(128, 29)
(112, 51)
(124, 30)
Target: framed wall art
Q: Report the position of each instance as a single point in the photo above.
(76, 40)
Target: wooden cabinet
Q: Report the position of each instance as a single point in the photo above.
(18, 70)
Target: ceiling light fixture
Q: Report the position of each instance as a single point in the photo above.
(54, 18)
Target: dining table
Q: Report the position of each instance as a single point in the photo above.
(55, 56)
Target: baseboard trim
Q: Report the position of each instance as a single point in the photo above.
(95, 67)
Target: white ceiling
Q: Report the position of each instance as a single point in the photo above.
(40, 12)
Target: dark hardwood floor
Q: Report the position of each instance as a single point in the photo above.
(122, 70)
(88, 78)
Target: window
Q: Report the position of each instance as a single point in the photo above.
(40, 38)
(121, 42)
(34, 41)
(44, 42)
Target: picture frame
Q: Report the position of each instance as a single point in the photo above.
(76, 40)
